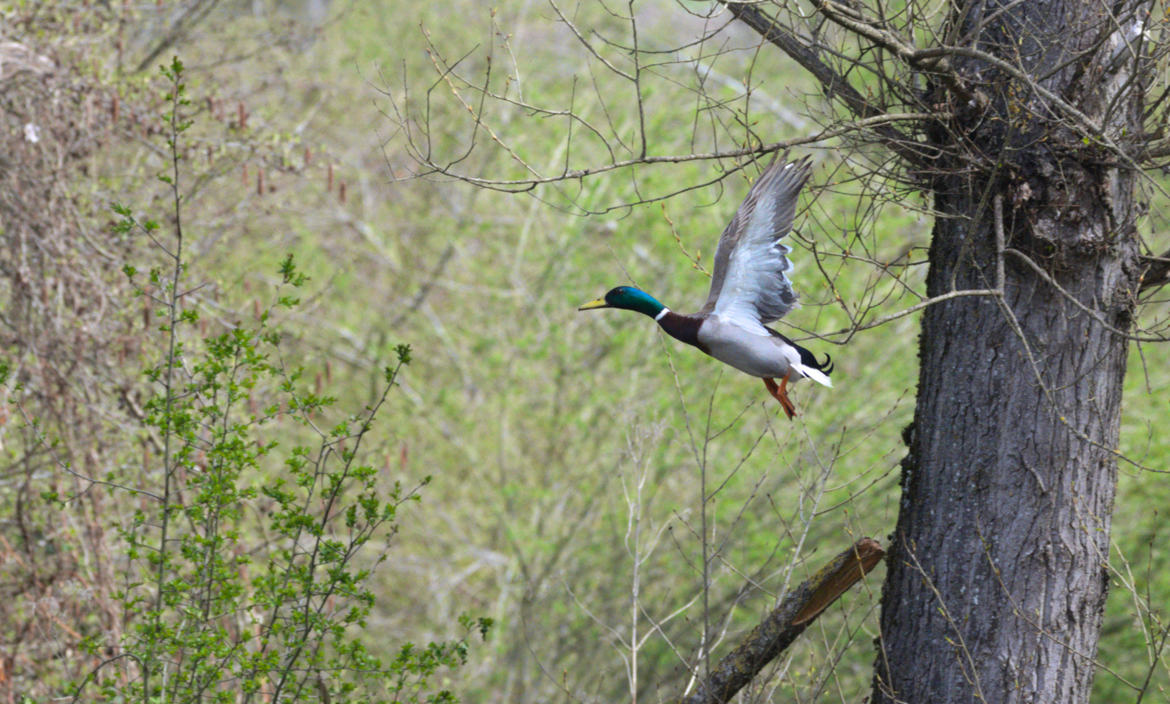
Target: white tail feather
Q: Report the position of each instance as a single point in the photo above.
(814, 374)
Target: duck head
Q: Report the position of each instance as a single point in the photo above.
(627, 298)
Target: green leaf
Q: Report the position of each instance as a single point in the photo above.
(403, 352)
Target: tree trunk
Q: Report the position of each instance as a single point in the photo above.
(997, 568)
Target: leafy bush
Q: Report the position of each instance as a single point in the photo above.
(237, 585)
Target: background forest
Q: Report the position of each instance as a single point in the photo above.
(530, 521)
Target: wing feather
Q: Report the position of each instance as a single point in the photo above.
(749, 284)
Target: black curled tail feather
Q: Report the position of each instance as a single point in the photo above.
(827, 367)
(808, 359)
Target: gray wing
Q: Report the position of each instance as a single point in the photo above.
(749, 283)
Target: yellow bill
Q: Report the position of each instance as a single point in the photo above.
(599, 303)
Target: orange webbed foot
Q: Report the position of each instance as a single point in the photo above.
(780, 393)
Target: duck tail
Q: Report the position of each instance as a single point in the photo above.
(810, 368)
(821, 377)
(827, 365)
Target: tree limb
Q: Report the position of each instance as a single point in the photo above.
(796, 611)
(834, 83)
(855, 22)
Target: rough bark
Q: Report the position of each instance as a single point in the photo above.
(997, 568)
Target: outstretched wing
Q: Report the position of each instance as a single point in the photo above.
(750, 285)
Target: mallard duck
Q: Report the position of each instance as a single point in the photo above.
(749, 288)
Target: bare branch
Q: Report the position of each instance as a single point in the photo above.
(877, 122)
(849, 332)
(853, 21)
(835, 84)
(795, 612)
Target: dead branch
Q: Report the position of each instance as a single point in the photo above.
(795, 612)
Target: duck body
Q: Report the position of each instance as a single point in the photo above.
(749, 288)
(771, 356)
(751, 353)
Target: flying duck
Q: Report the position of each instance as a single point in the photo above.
(749, 288)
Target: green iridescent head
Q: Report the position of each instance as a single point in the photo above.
(627, 298)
